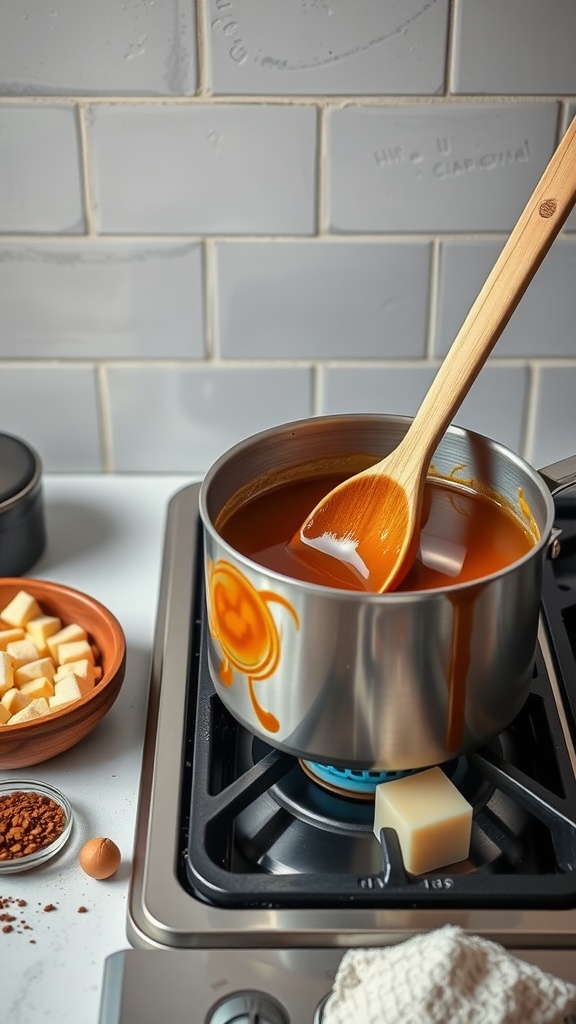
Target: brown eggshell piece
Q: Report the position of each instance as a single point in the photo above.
(100, 858)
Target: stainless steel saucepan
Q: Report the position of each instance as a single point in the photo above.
(366, 681)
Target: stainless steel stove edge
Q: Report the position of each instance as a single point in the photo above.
(160, 914)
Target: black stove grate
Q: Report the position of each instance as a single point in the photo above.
(258, 832)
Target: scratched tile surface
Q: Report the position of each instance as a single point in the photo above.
(270, 47)
(77, 47)
(459, 168)
(100, 300)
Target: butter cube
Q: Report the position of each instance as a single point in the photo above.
(6, 672)
(76, 650)
(8, 635)
(20, 609)
(40, 628)
(66, 635)
(39, 687)
(14, 701)
(66, 690)
(35, 709)
(432, 819)
(4, 714)
(22, 651)
(82, 669)
(34, 669)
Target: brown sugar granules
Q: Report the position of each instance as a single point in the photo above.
(28, 822)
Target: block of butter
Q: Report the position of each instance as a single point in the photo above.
(432, 819)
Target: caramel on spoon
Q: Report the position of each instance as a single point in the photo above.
(366, 529)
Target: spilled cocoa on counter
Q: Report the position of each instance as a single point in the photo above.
(28, 822)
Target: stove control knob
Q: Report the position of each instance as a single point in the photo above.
(247, 1008)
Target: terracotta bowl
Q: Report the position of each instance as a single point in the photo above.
(31, 742)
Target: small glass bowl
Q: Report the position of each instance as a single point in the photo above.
(45, 853)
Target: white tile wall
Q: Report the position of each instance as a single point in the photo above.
(274, 48)
(219, 215)
(322, 301)
(429, 168)
(39, 195)
(216, 170)
(187, 417)
(101, 300)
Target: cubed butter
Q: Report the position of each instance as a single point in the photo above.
(35, 709)
(8, 635)
(65, 635)
(83, 669)
(22, 651)
(39, 687)
(66, 690)
(41, 627)
(4, 714)
(35, 669)
(20, 609)
(6, 672)
(432, 819)
(13, 700)
(75, 650)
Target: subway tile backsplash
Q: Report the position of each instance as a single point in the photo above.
(237, 169)
(40, 195)
(427, 168)
(101, 300)
(190, 416)
(77, 47)
(322, 301)
(274, 48)
(221, 215)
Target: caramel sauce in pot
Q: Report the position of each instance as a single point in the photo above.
(465, 536)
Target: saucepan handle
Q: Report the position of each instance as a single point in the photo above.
(560, 476)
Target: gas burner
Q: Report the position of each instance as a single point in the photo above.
(266, 834)
(351, 782)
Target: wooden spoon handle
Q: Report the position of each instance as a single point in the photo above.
(530, 240)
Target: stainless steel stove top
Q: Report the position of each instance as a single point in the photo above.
(162, 914)
(259, 944)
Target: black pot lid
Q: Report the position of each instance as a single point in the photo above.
(17, 466)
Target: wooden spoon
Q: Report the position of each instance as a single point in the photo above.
(365, 532)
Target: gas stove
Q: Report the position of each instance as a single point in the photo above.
(250, 870)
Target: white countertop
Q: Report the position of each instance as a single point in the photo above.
(105, 537)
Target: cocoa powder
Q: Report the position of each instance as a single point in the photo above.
(28, 822)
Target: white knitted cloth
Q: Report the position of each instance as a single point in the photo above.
(445, 977)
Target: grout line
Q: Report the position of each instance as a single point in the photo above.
(377, 238)
(531, 410)
(86, 174)
(322, 220)
(202, 49)
(105, 417)
(450, 49)
(210, 299)
(334, 100)
(318, 388)
(433, 298)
